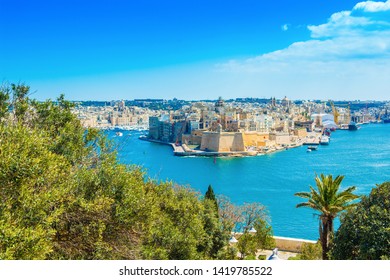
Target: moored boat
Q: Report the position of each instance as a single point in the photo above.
(353, 126)
(324, 140)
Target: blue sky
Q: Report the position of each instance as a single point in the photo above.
(103, 50)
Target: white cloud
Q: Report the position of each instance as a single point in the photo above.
(352, 47)
(364, 18)
(371, 6)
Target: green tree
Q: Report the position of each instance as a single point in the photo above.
(329, 201)
(33, 190)
(215, 239)
(14, 102)
(175, 230)
(256, 232)
(211, 196)
(5, 93)
(20, 102)
(364, 232)
(309, 251)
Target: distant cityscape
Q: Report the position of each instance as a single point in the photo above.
(243, 126)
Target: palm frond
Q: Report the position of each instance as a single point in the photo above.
(304, 204)
(303, 194)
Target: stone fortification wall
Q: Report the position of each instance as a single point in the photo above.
(222, 142)
(195, 138)
(255, 139)
(231, 142)
(280, 138)
(301, 132)
(210, 142)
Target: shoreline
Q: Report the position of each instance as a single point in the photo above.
(184, 151)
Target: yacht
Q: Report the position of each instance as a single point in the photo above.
(312, 147)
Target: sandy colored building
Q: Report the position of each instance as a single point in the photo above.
(300, 132)
(220, 141)
(280, 138)
(255, 139)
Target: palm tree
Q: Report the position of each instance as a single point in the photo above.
(329, 201)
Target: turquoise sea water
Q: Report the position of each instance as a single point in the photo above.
(363, 156)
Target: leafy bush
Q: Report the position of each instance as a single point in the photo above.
(364, 231)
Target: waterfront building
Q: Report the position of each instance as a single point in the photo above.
(165, 131)
(281, 138)
(154, 128)
(265, 123)
(220, 141)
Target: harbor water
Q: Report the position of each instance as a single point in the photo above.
(363, 156)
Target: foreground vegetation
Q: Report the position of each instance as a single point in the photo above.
(329, 201)
(64, 195)
(364, 231)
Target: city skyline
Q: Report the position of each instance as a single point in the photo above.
(198, 50)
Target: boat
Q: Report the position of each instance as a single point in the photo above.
(308, 150)
(312, 148)
(343, 126)
(353, 126)
(324, 140)
(118, 133)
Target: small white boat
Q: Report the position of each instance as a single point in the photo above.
(324, 140)
(118, 133)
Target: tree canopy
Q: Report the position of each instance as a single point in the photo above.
(364, 232)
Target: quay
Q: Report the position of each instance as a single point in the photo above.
(312, 138)
(184, 151)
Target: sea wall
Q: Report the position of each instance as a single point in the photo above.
(291, 244)
(287, 243)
